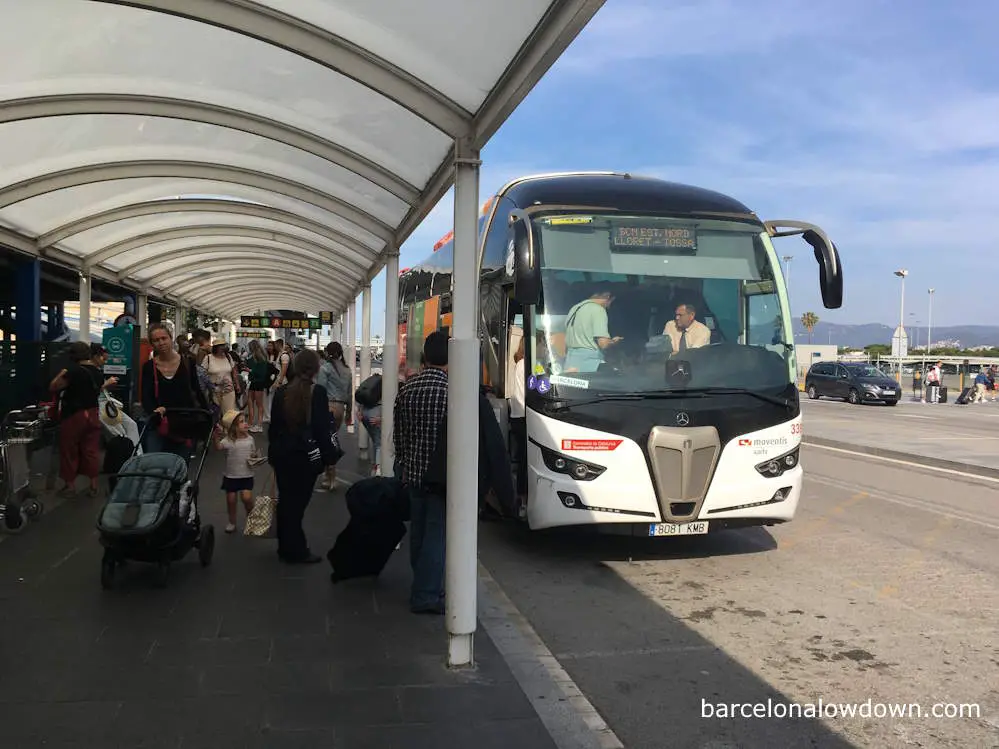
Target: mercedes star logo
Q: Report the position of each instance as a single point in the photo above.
(682, 419)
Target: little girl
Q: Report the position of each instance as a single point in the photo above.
(241, 453)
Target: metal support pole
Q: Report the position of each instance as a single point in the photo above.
(178, 321)
(350, 350)
(929, 326)
(362, 434)
(901, 273)
(142, 313)
(463, 416)
(390, 363)
(84, 334)
(901, 330)
(28, 328)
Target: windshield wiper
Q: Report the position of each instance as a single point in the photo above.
(636, 396)
(783, 402)
(701, 392)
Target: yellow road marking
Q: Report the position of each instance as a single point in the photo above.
(917, 557)
(808, 529)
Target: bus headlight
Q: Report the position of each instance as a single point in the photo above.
(580, 470)
(777, 466)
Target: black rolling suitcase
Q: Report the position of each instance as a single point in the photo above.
(965, 396)
(363, 548)
(119, 449)
(943, 394)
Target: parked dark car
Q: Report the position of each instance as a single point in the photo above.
(856, 382)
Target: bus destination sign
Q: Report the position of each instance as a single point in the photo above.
(285, 323)
(632, 237)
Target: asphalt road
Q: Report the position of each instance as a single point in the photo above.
(884, 588)
(935, 432)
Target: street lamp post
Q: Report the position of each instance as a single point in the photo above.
(929, 322)
(929, 329)
(787, 277)
(901, 273)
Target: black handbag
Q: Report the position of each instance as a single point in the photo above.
(311, 446)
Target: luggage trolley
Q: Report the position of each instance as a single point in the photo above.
(18, 503)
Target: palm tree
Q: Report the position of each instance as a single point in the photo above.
(808, 321)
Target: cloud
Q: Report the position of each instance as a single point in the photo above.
(875, 123)
(651, 30)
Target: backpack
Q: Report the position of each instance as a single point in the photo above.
(369, 392)
(289, 374)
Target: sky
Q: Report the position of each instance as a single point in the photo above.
(881, 126)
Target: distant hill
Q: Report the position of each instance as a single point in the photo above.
(858, 336)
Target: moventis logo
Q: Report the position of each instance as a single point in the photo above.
(772, 442)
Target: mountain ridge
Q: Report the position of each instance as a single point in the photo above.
(858, 336)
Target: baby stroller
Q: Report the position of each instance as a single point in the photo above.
(151, 515)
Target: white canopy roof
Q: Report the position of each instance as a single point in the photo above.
(234, 155)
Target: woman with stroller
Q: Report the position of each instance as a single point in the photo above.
(168, 381)
(80, 385)
(299, 447)
(334, 376)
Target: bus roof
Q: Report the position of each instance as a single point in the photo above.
(618, 190)
(622, 191)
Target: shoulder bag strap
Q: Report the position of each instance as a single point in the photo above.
(572, 317)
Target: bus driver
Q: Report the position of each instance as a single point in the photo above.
(685, 332)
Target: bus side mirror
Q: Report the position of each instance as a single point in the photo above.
(830, 268)
(522, 260)
(826, 254)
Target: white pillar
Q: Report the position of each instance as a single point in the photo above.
(390, 362)
(84, 334)
(463, 416)
(178, 321)
(362, 434)
(142, 313)
(349, 348)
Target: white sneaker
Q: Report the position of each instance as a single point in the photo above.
(230, 528)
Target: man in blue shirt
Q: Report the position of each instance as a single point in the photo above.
(981, 385)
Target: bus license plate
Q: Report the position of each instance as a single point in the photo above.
(678, 529)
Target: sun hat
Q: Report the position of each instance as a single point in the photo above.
(229, 419)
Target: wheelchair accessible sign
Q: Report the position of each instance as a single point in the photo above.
(118, 342)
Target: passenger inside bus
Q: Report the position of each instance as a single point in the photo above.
(587, 335)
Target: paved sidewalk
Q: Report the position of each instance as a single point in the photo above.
(945, 435)
(245, 653)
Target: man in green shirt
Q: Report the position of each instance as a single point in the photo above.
(587, 334)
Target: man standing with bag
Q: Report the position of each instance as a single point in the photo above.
(419, 418)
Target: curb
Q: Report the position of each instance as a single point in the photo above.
(571, 720)
(880, 452)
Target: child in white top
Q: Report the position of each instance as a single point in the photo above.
(233, 435)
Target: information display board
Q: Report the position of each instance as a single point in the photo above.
(629, 236)
(118, 342)
(282, 323)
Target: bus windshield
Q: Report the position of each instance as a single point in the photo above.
(637, 304)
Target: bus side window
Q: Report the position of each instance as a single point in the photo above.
(494, 250)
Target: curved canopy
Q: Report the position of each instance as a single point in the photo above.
(236, 154)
